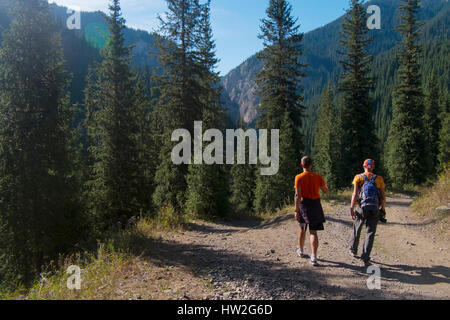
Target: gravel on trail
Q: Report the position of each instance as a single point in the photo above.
(254, 260)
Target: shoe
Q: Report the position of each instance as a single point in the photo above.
(300, 253)
(382, 216)
(352, 253)
(313, 261)
(367, 263)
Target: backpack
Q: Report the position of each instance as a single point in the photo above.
(369, 195)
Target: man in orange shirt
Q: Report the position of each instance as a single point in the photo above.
(308, 209)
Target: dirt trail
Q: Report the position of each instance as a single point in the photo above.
(247, 260)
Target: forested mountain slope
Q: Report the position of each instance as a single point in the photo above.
(321, 48)
(82, 47)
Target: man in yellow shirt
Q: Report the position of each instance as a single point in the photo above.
(369, 194)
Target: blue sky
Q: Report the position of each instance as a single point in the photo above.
(235, 22)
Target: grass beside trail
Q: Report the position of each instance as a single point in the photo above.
(431, 198)
(115, 269)
(436, 196)
(122, 266)
(108, 271)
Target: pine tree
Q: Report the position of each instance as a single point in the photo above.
(406, 141)
(89, 107)
(207, 191)
(444, 136)
(40, 210)
(179, 104)
(272, 192)
(358, 140)
(280, 91)
(339, 157)
(113, 186)
(432, 125)
(243, 183)
(326, 141)
(207, 184)
(147, 149)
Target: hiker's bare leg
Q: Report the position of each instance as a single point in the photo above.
(301, 238)
(314, 239)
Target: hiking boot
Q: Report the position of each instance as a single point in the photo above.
(352, 253)
(382, 218)
(367, 263)
(313, 260)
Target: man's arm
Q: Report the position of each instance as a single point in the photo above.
(353, 203)
(324, 188)
(297, 199)
(382, 199)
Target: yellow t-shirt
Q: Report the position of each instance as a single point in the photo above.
(379, 181)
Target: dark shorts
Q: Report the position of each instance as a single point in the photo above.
(311, 214)
(313, 227)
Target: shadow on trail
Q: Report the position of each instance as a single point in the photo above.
(276, 221)
(349, 223)
(420, 276)
(269, 278)
(390, 203)
(254, 223)
(209, 229)
(420, 224)
(344, 222)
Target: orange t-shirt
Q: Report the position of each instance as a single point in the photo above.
(309, 184)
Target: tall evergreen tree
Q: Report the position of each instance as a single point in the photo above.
(113, 186)
(326, 141)
(280, 91)
(339, 150)
(358, 139)
(147, 150)
(444, 136)
(207, 184)
(406, 142)
(40, 214)
(179, 104)
(243, 183)
(432, 125)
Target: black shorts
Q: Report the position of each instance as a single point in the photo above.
(312, 227)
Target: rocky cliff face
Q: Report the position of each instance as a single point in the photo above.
(240, 87)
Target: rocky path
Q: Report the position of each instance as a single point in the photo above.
(248, 260)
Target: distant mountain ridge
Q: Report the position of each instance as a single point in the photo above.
(81, 49)
(142, 40)
(320, 54)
